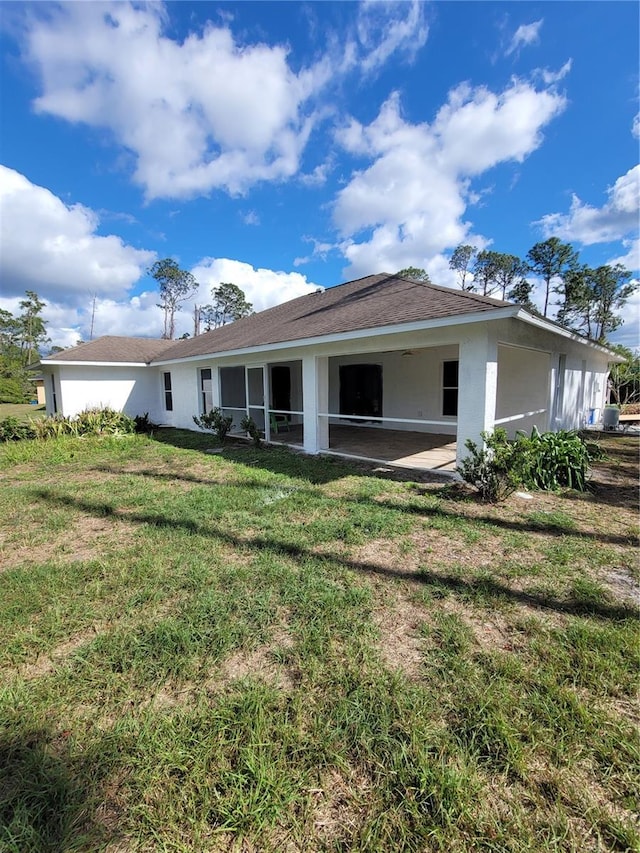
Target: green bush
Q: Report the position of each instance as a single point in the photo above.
(546, 461)
(216, 422)
(493, 469)
(102, 421)
(249, 425)
(11, 390)
(554, 460)
(11, 429)
(144, 425)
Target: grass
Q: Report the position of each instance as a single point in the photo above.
(22, 411)
(261, 651)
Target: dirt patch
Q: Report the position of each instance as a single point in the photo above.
(340, 806)
(84, 540)
(401, 645)
(46, 664)
(260, 663)
(622, 587)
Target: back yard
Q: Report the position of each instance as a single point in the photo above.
(257, 651)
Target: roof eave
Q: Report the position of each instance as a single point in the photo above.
(548, 325)
(68, 362)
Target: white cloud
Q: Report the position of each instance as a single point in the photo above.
(635, 127)
(526, 34)
(616, 219)
(549, 77)
(264, 288)
(210, 112)
(385, 28)
(631, 258)
(53, 248)
(408, 205)
(198, 115)
(251, 217)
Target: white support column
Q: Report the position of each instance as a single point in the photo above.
(477, 387)
(315, 398)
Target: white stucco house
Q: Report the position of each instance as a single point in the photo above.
(380, 353)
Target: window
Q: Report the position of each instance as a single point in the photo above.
(206, 392)
(450, 388)
(168, 394)
(54, 401)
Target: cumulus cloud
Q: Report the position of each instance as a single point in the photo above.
(207, 113)
(264, 288)
(54, 248)
(409, 204)
(526, 34)
(203, 114)
(616, 219)
(635, 127)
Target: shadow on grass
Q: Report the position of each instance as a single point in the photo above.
(482, 588)
(44, 806)
(527, 525)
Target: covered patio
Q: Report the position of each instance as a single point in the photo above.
(405, 449)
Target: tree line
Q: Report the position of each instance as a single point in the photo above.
(588, 298)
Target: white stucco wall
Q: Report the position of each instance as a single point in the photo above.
(412, 385)
(524, 382)
(584, 385)
(133, 390)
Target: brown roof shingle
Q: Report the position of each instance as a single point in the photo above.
(377, 300)
(366, 303)
(115, 349)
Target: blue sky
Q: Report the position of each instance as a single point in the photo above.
(282, 146)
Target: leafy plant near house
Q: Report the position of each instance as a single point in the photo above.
(492, 469)
(249, 425)
(553, 460)
(144, 425)
(12, 429)
(546, 461)
(216, 422)
(97, 421)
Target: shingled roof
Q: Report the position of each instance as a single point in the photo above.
(112, 348)
(366, 303)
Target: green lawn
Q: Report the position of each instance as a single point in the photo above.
(22, 411)
(258, 651)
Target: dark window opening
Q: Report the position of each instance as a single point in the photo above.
(450, 388)
(281, 387)
(361, 390)
(54, 401)
(168, 394)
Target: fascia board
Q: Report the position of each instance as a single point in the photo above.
(65, 363)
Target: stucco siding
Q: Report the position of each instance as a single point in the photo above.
(132, 390)
(523, 386)
(412, 385)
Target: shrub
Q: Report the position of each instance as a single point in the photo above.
(11, 429)
(492, 469)
(553, 460)
(216, 422)
(249, 425)
(144, 425)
